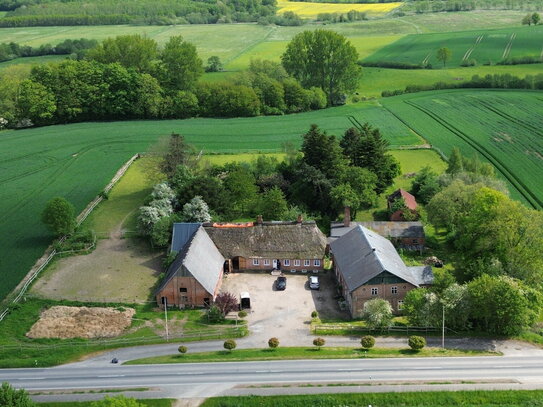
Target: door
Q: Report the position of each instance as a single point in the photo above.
(275, 264)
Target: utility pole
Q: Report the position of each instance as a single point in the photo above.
(443, 329)
(166, 315)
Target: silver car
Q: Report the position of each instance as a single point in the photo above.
(314, 283)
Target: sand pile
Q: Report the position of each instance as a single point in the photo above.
(81, 322)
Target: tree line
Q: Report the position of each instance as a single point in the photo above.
(131, 77)
(437, 6)
(496, 244)
(496, 81)
(76, 48)
(161, 12)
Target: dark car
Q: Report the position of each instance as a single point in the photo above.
(114, 360)
(281, 283)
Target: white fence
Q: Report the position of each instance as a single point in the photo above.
(40, 265)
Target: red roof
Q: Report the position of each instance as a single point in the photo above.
(409, 199)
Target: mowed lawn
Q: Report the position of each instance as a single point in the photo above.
(483, 46)
(502, 127)
(76, 161)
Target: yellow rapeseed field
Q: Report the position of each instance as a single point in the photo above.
(311, 10)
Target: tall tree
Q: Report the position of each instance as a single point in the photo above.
(535, 18)
(178, 153)
(323, 152)
(273, 205)
(324, 59)
(35, 102)
(180, 66)
(131, 51)
(456, 164)
(59, 216)
(443, 55)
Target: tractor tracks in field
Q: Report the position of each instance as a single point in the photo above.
(509, 45)
(513, 179)
(470, 50)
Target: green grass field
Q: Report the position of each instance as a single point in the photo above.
(481, 398)
(76, 161)
(502, 127)
(149, 403)
(482, 46)
(29, 61)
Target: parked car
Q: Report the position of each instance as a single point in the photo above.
(281, 283)
(314, 283)
(114, 360)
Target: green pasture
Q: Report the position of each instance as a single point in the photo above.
(30, 61)
(77, 160)
(474, 398)
(504, 128)
(483, 46)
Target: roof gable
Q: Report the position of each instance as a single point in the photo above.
(181, 234)
(362, 254)
(410, 201)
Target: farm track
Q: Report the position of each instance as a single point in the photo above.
(509, 45)
(532, 199)
(470, 50)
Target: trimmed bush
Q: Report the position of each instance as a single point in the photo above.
(319, 342)
(242, 314)
(314, 314)
(230, 344)
(367, 342)
(416, 342)
(273, 343)
(182, 349)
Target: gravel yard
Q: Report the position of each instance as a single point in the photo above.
(284, 314)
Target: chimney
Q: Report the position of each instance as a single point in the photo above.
(347, 217)
(259, 220)
(300, 218)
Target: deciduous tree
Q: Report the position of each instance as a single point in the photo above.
(377, 313)
(9, 397)
(59, 216)
(443, 55)
(131, 51)
(180, 67)
(324, 59)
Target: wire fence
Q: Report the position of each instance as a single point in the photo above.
(51, 252)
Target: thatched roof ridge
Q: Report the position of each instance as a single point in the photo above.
(270, 240)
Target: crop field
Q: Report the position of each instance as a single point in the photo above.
(29, 61)
(483, 46)
(504, 128)
(311, 10)
(76, 161)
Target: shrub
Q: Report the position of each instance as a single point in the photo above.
(416, 342)
(230, 344)
(214, 314)
(367, 342)
(9, 397)
(226, 302)
(273, 343)
(319, 342)
(314, 314)
(242, 314)
(182, 349)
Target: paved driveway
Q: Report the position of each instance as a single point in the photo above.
(284, 314)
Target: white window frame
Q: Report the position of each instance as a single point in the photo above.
(266, 262)
(317, 263)
(394, 289)
(307, 263)
(296, 263)
(256, 262)
(374, 291)
(400, 304)
(286, 262)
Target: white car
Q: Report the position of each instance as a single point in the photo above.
(314, 283)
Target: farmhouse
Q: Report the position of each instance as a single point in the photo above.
(367, 266)
(288, 246)
(403, 235)
(206, 251)
(410, 203)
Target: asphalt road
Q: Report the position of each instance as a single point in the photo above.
(209, 379)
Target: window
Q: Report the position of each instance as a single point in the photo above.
(415, 241)
(304, 271)
(267, 262)
(296, 262)
(400, 304)
(374, 291)
(207, 302)
(394, 290)
(255, 262)
(307, 263)
(286, 262)
(293, 271)
(317, 263)
(182, 289)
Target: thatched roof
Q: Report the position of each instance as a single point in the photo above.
(269, 240)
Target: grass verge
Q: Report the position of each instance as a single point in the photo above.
(242, 355)
(505, 398)
(149, 403)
